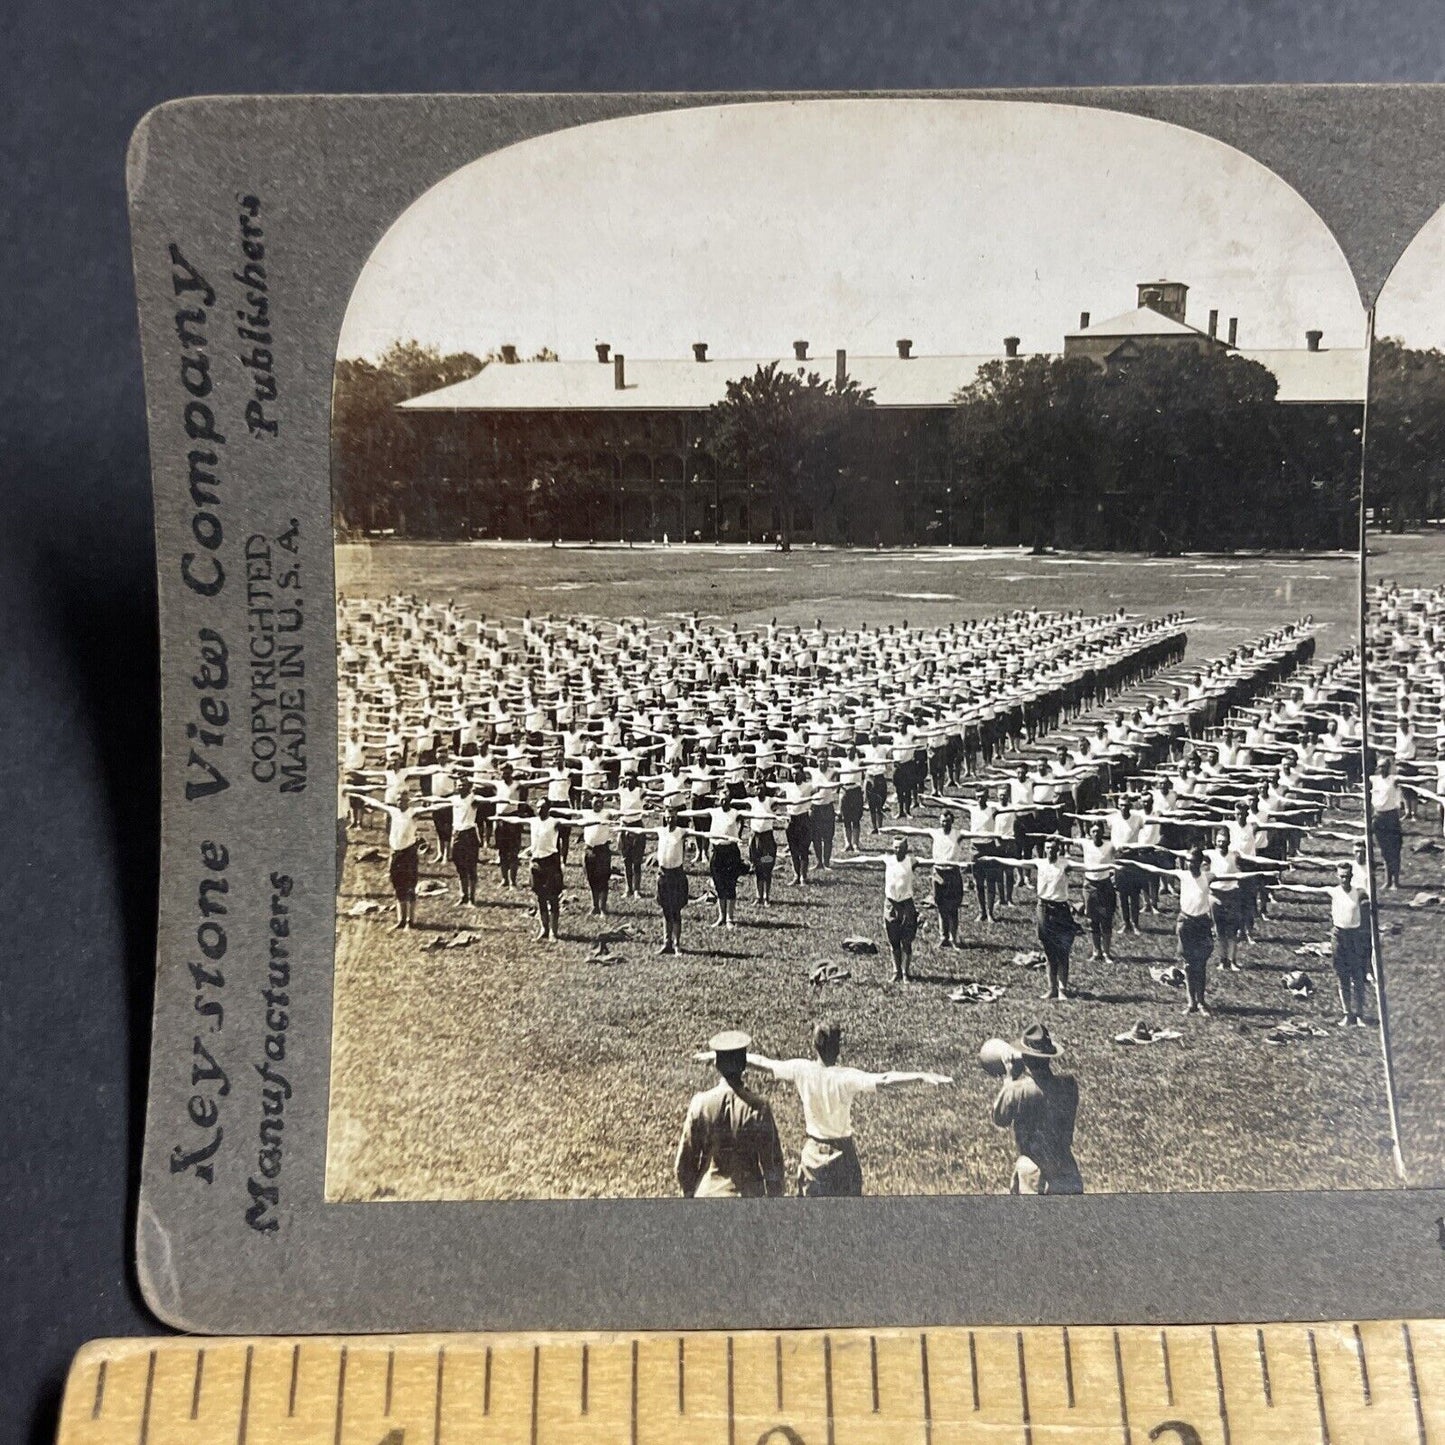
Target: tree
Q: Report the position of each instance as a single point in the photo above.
(542, 353)
(1174, 448)
(1196, 456)
(1025, 434)
(371, 445)
(797, 435)
(1405, 459)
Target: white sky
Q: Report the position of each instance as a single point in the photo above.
(849, 223)
(1412, 304)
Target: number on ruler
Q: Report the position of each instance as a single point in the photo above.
(1187, 1434)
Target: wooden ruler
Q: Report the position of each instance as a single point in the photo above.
(1374, 1383)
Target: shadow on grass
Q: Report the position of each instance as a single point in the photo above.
(1249, 1010)
(1135, 998)
(990, 945)
(917, 977)
(1303, 960)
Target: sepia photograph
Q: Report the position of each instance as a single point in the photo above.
(1405, 649)
(848, 624)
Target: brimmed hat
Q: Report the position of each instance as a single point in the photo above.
(730, 1049)
(1141, 1033)
(1037, 1043)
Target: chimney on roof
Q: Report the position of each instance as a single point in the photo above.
(1214, 323)
(619, 372)
(1083, 321)
(509, 354)
(800, 350)
(604, 352)
(1010, 346)
(905, 348)
(1233, 330)
(840, 368)
(1313, 339)
(699, 350)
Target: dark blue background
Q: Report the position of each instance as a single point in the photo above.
(78, 706)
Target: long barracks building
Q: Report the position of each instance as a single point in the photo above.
(613, 447)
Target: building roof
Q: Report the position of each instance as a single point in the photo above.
(1317, 376)
(676, 385)
(1141, 321)
(919, 381)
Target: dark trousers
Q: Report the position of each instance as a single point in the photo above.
(1389, 836)
(1351, 957)
(1056, 937)
(597, 865)
(634, 851)
(1100, 901)
(1196, 943)
(875, 794)
(1130, 885)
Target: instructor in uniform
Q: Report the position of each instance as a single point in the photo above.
(729, 1146)
(1040, 1106)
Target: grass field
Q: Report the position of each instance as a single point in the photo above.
(506, 1070)
(1414, 955)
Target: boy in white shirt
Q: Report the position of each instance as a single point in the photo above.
(829, 1163)
(1349, 940)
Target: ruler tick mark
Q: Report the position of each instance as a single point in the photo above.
(632, 1429)
(681, 1376)
(973, 1367)
(778, 1369)
(436, 1419)
(245, 1398)
(536, 1386)
(145, 1414)
(390, 1372)
(295, 1370)
(99, 1392)
(828, 1383)
(196, 1383)
(1264, 1369)
(1364, 1366)
(927, 1393)
(1068, 1369)
(732, 1422)
(1319, 1390)
(1414, 1382)
(487, 1382)
(1123, 1393)
(873, 1368)
(340, 1397)
(584, 1379)
(1168, 1370)
(1219, 1385)
(1024, 1391)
